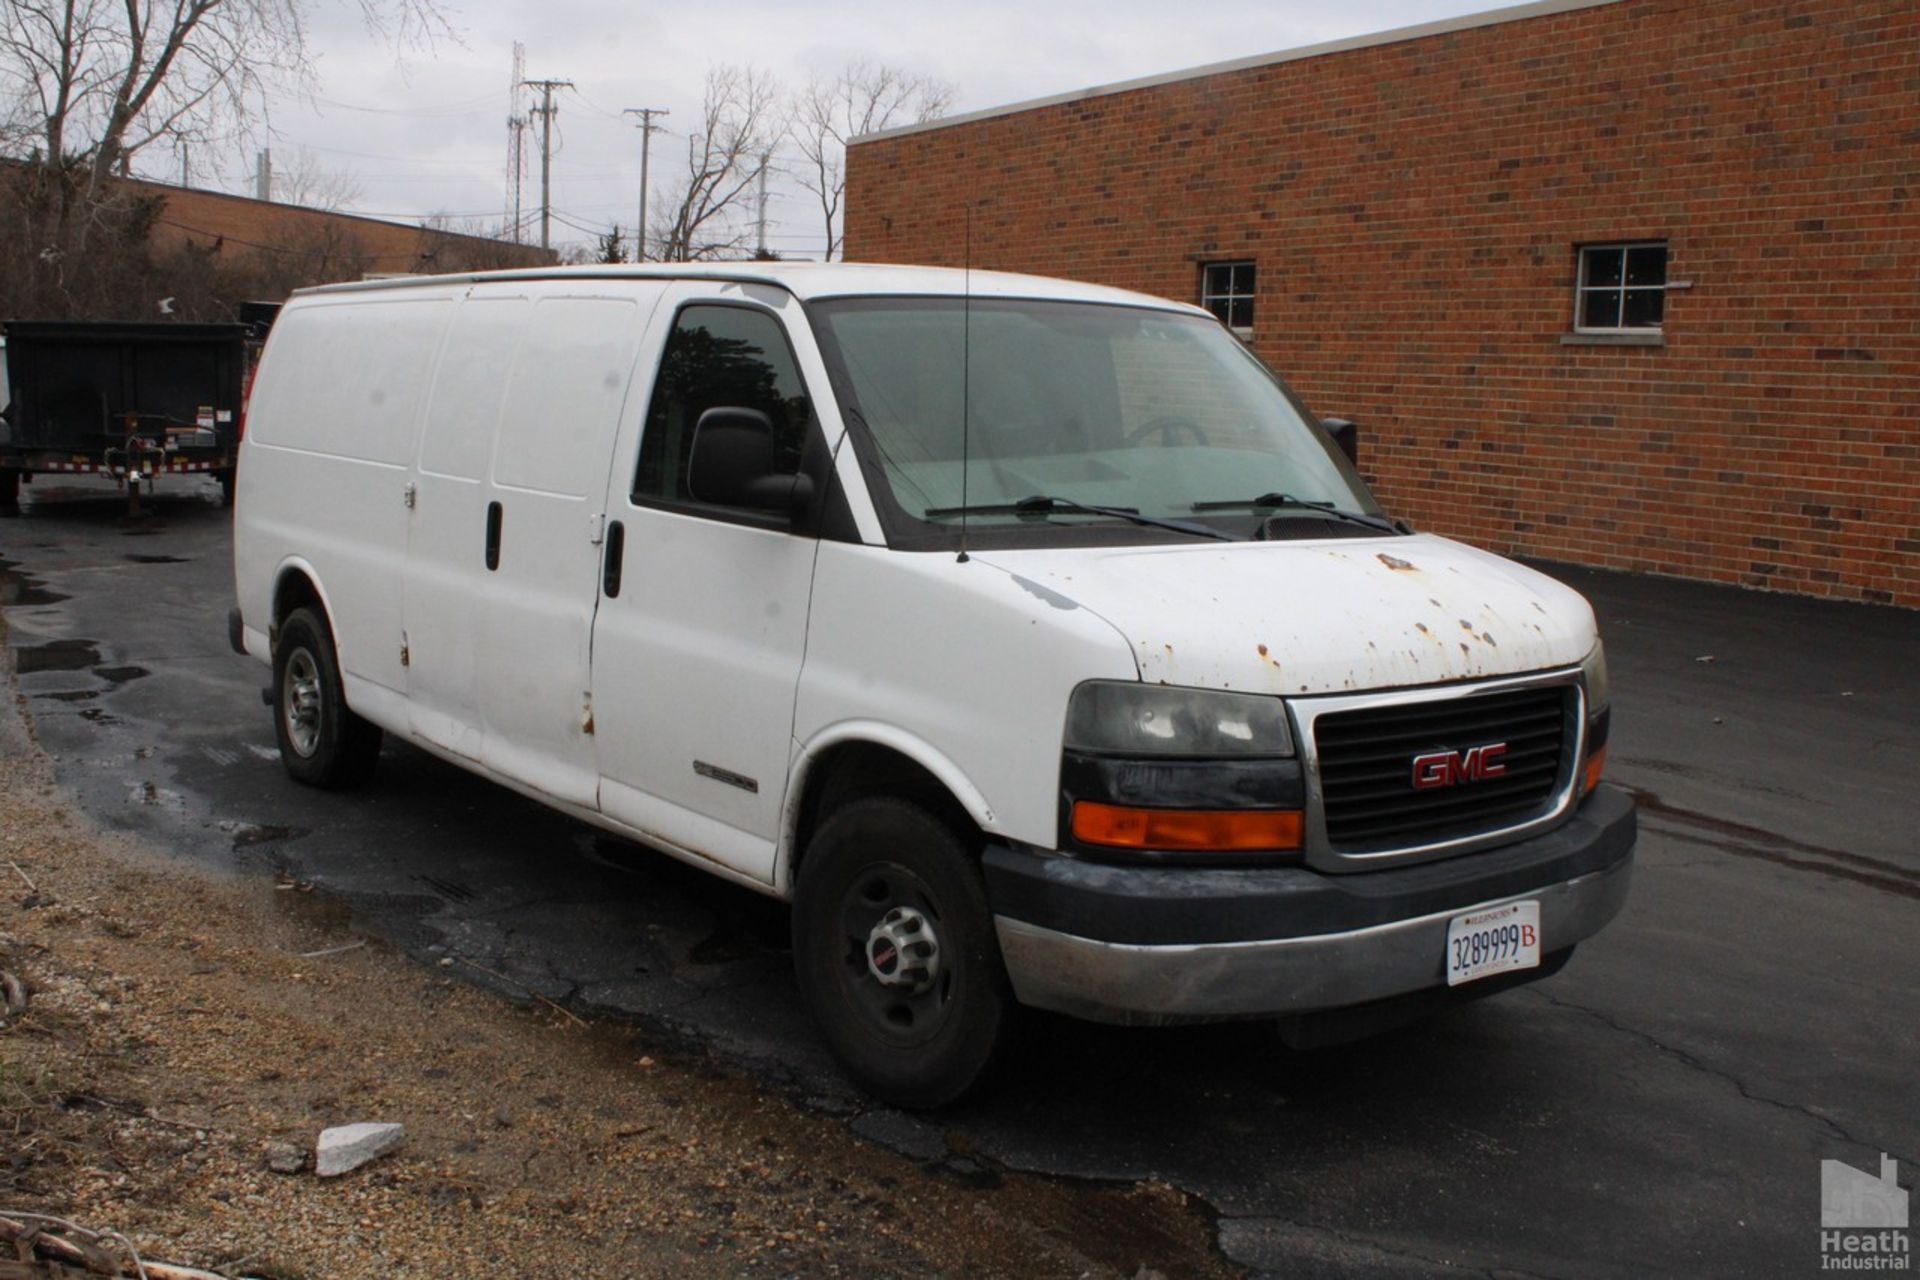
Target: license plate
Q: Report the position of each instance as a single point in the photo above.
(1497, 940)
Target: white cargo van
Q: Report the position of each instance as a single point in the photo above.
(1029, 637)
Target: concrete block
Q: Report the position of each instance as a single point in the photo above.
(346, 1147)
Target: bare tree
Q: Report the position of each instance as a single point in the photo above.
(740, 124)
(863, 97)
(307, 182)
(102, 79)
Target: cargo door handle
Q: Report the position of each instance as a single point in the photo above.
(493, 535)
(616, 548)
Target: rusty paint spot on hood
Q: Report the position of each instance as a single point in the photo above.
(1394, 562)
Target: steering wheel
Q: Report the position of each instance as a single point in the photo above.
(1168, 427)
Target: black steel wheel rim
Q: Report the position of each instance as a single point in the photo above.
(900, 1016)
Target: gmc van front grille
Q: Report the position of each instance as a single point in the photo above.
(1413, 774)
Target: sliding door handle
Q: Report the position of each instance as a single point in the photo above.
(615, 553)
(493, 535)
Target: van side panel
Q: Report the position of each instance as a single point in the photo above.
(330, 441)
(559, 420)
(446, 553)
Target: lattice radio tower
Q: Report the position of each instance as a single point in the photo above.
(517, 121)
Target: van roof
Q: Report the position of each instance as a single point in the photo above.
(807, 280)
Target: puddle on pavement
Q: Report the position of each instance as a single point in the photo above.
(154, 796)
(99, 716)
(246, 834)
(23, 588)
(71, 695)
(56, 655)
(120, 675)
(158, 559)
(300, 900)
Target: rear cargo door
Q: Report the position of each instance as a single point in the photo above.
(539, 531)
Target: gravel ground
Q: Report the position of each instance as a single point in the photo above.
(182, 1023)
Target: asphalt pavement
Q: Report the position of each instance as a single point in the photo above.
(1661, 1106)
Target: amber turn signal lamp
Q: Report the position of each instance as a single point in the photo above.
(1188, 830)
(1596, 765)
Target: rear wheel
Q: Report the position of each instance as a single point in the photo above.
(322, 742)
(896, 956)
(9, 489)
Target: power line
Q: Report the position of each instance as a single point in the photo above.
(447, 111)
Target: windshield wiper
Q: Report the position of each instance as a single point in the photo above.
(1271, 500)
(1041, 504)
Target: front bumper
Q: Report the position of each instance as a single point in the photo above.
(1134, 944)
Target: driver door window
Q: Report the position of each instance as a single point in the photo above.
(718, 357)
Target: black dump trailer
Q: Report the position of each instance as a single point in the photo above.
(129, 401)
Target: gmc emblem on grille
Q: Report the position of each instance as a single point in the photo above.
(1451, 768)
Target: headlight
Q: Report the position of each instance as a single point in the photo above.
(1126, 718)
(1594, 673)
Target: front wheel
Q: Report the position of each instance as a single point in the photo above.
(322, 742)
(894, 948)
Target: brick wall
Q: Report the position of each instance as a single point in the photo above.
(1414, 207)
(243, 225)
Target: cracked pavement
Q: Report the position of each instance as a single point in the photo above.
(1660, 1107)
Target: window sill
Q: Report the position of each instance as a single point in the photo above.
(1613, 340)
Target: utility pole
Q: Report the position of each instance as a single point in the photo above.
(647, 129)
(545, 111)
(760, 250)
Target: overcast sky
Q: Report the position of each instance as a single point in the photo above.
(428, 134)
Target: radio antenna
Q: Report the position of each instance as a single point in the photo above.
(966, 370)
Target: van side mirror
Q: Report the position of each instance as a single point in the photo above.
(734, 464)
(1345, 434)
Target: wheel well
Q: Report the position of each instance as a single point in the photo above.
(295, 590)
(854, 770)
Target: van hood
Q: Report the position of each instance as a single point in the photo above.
(1326, 616)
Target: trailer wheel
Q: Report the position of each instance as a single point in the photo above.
(896, 956)
(322, 742)
(226, 488)
(9, 489)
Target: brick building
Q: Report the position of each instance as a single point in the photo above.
(245, 225)
(1633, 283)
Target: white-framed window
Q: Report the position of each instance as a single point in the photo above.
(1622, 287)
(1226, 289)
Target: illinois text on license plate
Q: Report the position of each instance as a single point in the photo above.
(1496, 940)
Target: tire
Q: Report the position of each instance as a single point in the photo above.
(322, 742)
(9, 489)
(226, 488)
(884, 880)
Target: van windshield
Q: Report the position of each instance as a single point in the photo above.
(994, 405)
